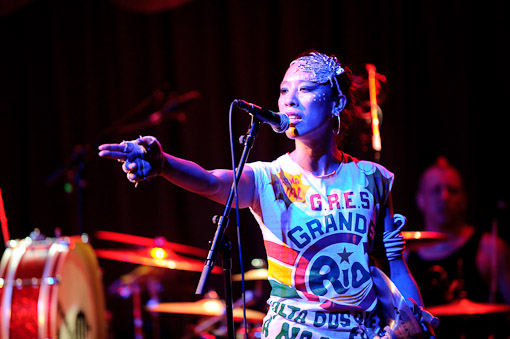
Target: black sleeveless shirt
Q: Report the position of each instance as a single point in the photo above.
(442, 281)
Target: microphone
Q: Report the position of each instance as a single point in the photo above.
(278, 121)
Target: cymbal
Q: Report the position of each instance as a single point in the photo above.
(422, 238)
(464, 307)
(256, 274)
(423, 235)
(149, 242)
(141, 257)
(207, 307)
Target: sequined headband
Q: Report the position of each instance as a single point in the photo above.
(321, 67)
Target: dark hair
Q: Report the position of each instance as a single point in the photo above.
(349, 85)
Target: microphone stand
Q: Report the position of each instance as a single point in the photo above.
(220, 242)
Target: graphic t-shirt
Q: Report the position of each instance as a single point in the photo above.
(318, 233)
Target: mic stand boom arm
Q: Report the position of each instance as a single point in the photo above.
(220, 243)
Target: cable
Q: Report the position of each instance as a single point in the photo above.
(236, 196)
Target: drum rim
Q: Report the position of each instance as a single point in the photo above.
(56, 256)
(14, 260)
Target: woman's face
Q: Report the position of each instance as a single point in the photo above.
(308, 104)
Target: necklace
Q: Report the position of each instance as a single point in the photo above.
(328, 174)
(323, 175)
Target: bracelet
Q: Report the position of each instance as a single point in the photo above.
(394, 240)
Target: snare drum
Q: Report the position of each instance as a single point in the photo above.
(51, 288)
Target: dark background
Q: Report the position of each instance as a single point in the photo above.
(70, 69)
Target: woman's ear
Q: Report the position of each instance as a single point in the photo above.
(339, 104)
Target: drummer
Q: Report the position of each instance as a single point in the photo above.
(461, 266)
(324, 215)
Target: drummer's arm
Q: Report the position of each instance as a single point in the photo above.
(399, 272)
(212, 184)
(494, 248)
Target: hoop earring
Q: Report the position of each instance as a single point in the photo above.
(337, 131)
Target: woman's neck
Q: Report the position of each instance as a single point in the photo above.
(320, 160)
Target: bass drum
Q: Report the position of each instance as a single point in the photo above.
(51, 288)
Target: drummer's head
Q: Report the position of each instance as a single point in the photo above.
(441, 196)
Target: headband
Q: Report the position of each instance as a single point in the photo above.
(321, 67)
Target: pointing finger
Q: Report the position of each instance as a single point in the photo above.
(112, 147)
(113, 155)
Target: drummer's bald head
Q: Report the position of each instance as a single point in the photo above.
(442, 165)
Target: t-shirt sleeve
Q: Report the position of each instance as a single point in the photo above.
(259, 170)
(380, 180)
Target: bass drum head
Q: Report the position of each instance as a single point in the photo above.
(80, 302)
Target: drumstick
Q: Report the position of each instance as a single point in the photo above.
(3, 221)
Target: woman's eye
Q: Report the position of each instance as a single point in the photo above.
(283, 91)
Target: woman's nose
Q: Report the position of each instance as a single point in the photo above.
(290, 99)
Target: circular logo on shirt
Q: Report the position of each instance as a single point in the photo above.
(333, 270)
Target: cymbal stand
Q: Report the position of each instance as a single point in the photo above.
(129, 285)
(218, 244)
(153, 288)
(137, 310)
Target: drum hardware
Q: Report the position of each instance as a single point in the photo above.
(154, 287)
(215, 309)
(122, 286)
(36, 235)
(206, 307)
(417, 239)
(150, 243)
(466, 307)
(255, 274)
(468, 319)
(157, 252)
(142, 257)
(253, 332)
(128, 285)
(424, 235)
(150, 254)
(137, 311)
(34, 282)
